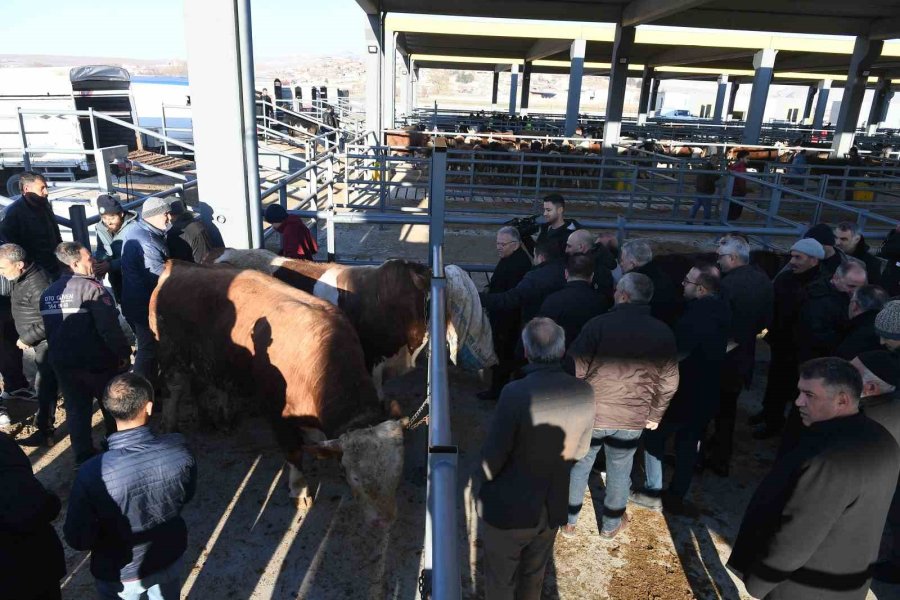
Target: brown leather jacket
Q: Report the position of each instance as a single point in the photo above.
(630, 360)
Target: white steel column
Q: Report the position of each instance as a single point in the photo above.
(865, 51)
(513, 84)
(576, 72)
(389, 80)
(763, 65)
(374, 58)
(721, 92)
(823, 90)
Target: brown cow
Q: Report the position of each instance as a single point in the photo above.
(386, 304)
(245, 334)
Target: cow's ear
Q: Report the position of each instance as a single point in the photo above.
(326, 449)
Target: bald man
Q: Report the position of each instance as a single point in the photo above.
(581, 241)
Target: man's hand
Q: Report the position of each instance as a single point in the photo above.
(22, 345)
(651, 425)
(101, 268)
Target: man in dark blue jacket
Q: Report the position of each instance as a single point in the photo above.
(547, 276)
(144, 255)
(578, 302)
(702, 337)
(125, 506)
(86, 345)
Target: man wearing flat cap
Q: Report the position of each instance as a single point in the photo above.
(834, 256)
(144, 255)
(790, 293)
(115, 223)
(880, 372)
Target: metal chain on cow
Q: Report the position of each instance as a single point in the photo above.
(414, 420)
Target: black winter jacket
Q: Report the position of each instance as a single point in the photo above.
(790, 294)
(702, 334)
(125, 505)
(821, 321)
(541, 427)
(874, 265)
(560, 235)
(813, 527)
(30, 223)
(750, 295)
(890, 251)
(666, 302)
(187, 239)
(26, 304)
(82, 325)
(31, 554)
(573, 306)
(505, 324)
(859, 336)
(541, 281)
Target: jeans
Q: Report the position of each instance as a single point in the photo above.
(47, 388)
(619, 446)
(706, 203)
(164, 585)
(79, 388)
(687, 436)
(145, 361)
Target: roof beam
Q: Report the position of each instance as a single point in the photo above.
(885, 29)
(640, 12)
(763, 21)
(544, 48)
(682, 55)
(370, 7)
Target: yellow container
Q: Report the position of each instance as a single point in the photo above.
(862, 192)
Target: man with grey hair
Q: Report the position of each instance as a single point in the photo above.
(86, 344)
(637, 256)
(541, 426)
(859, 335)
(750, 295)
(630, 360)
(29, 281)
(514, 263)
(851, 241)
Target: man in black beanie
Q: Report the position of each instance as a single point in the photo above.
(824, 234)
(880, 372)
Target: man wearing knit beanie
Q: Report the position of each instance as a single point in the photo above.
(824, 234)
(887, 325)
(790, 292)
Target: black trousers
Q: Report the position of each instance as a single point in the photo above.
(10, 354)
(781, 388)
(80, 388)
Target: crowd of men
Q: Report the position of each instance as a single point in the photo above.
(125, 508)
(598, 351)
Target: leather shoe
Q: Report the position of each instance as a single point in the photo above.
(609, 535)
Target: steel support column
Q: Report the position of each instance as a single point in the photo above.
(880, 102)
(220, 66)
(374, 58)
(389, 80)
(735, 86)
(823, 90)
(513, 83)
(408, 96)
(865, 51)
(618, 78)
(807, 108)
(576, 72)
(763, 65)
(647, 82)
(721, 91)
(496, 85)
(654, 94)
(526, 88)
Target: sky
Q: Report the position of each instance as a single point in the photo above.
(114, 28)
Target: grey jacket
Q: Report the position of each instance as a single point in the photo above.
(109, 245)
(541, 427)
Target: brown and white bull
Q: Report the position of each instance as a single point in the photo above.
(244, 335)
(385, 304)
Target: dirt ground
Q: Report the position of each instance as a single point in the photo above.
(248, 540)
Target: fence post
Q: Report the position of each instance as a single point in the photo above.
(283, 197)
(329, 223)
(382, 185)
(26, 159)
(621, 232)
(436, 195)
(164, 130)
(95, 139)
(725, 205)
(80, 232)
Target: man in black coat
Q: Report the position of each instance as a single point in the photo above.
(890, 252)
(813, 527)
(582, 242)
(790, 293)
(860, 335)
(578, 302)
(824, 314)
(187, 238)
(880, 372)
(834, 256)
(31, 223)
(541, 427)
(545, 277)
(637, 256)
(30, 551)
(702, 337)
(853, 244)
(514, 263)
(29, 283)
(750, 295)
(556, 228)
